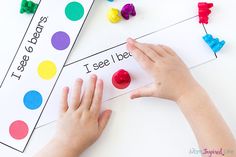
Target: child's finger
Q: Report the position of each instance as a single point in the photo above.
(103, 120)
(169, 50)
(143, 60)
(64, 100)
(89, 93)
(147, 50)
(97, 99)
(158, 49)
(76, 94)
(142, 92)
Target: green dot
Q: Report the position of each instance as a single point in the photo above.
(74, 11)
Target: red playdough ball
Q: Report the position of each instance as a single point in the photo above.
(121, 79)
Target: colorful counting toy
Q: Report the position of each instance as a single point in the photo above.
(121, 79)
(204, 11)
(28, 7)
(37, 65)
(113, 15)
(213, 43)
(128, 10)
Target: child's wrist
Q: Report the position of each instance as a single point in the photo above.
(65, 148)
(190, 94)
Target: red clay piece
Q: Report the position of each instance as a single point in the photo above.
(121, 79)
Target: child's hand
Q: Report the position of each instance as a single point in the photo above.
(172, 78)
(80, 123)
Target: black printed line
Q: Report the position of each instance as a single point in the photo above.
(10, 67)
(193, 67)
(58, 76)
(207, 33)
(125, 42)
(22, 151)
(204, 28)
(17, 50)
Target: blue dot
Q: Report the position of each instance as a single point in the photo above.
(33, 100)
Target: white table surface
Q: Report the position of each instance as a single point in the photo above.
(170, 134)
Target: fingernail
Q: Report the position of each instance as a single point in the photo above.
(130, 45)
(130, 41)
(79, 80)
(100, 81)
(93, 76)
(66, 88)
(110, 112)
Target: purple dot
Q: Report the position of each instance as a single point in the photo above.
(60, 40)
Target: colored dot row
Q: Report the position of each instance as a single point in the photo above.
(47, 69)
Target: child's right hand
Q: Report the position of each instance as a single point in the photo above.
(172, 78)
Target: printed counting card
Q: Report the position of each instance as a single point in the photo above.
(36, 67)
(108, 63)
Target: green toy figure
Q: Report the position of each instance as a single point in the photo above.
(28, 7)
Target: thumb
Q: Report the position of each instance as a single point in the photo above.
(147, 91)
(103, 120)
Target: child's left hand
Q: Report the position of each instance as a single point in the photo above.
(80, 123)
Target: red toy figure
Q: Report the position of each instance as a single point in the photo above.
(121, 79)
(204, 11)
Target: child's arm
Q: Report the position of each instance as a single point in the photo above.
(174, 81)
(80, 123)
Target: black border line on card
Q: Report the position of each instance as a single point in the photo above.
(56, 79)
(125, 43)
(12, 63)
(191, 68)
(18, 50)
(207, 33)
(65, 65)
(135, 38)
(204, 28)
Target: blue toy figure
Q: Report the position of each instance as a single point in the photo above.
(214, 43)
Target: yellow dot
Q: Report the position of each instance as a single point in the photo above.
(47, 70)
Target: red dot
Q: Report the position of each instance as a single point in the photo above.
(121, 79)
(18, 130)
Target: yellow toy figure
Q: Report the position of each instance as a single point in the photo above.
(113, 15)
